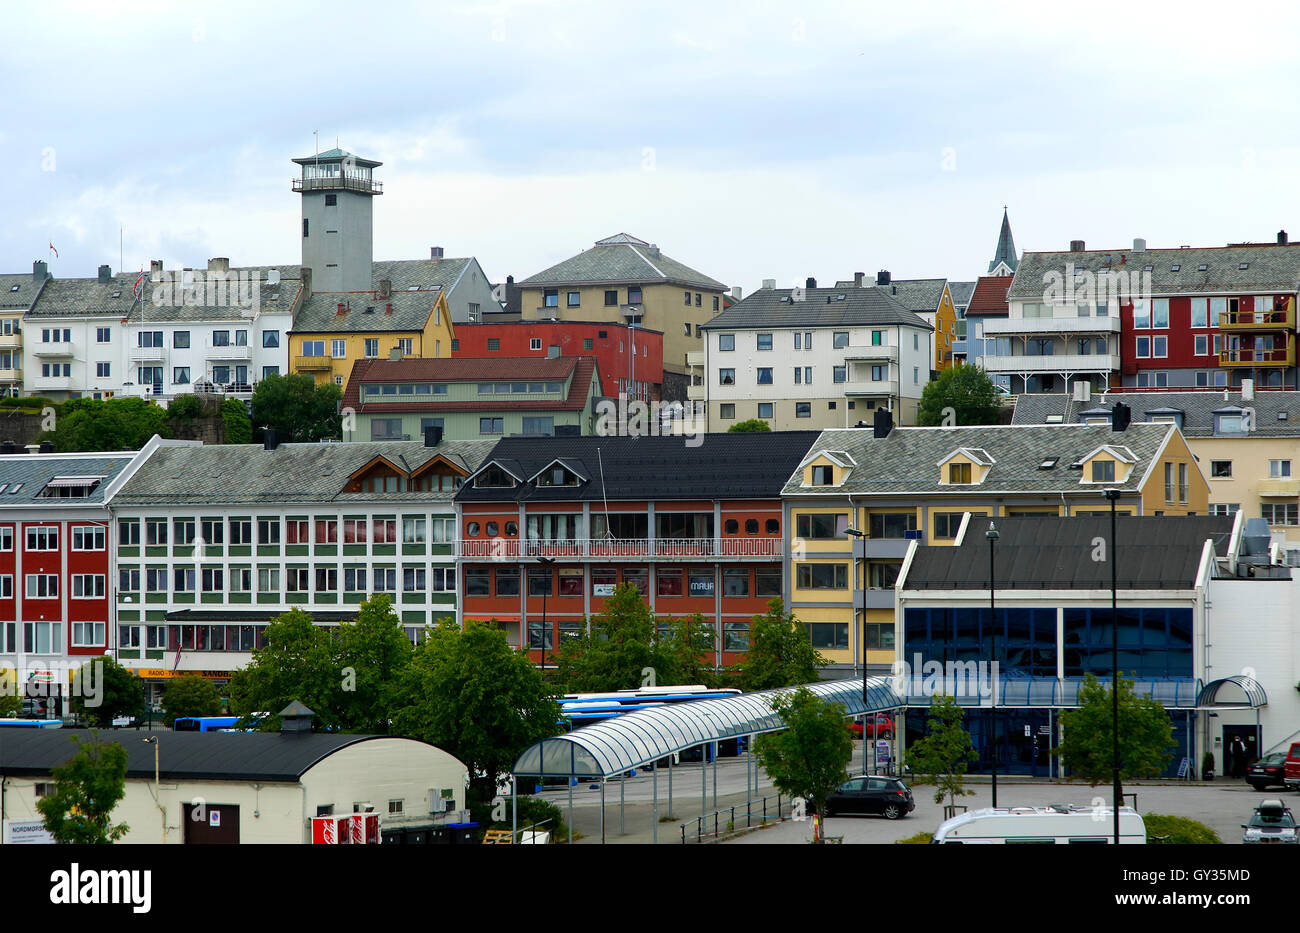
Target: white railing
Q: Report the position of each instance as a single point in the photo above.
(619, 548)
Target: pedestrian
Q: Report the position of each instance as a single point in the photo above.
(1237, 757)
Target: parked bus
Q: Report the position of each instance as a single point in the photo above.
(206, 724)
(1054, 825)
(32, 723)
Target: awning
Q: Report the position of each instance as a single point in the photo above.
(1251, 691)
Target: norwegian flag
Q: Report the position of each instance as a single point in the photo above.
(138, 289)
(53, 250)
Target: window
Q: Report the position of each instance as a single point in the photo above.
(183, 579)
(764, 376)
(1280, 514)
(88, 538)
(1202, 347)
(727, 411)
(668, 581)
(822, 576)
(385, 531)
(494, 344)
(268, 531)
(1182, 483)
(574, 299)
(1103, 471)
(1220, 468)
(946, 524)
(735, 581)
(241, 531)
(1276, 469)
(371, 347)
(807, 376)
(807, 340)
(269, 371)
(44, 538)
(828, 634)
(42, 586)
(1160, 346)
(1224, 508)
(699, 302)
(1141, 313)
(839, 373)
(726, 341)
(891, 524)
(213, 579)
(1144, 347)
(87, 586)
(959, 474)
(803, 409)
(611, 297)
(413, 531)
(765, 409)
(296, 531)
(1160, 312)
(491, 426)
(180, 375)
(551, 298)
(313, 348)
(726, 377)
(764, 342)
(1200, 312)
(102, 334)
(823, 526)
(155, 579)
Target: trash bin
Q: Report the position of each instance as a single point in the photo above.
(439, 836)
(463, 834)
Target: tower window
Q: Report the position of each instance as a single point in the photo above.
(331, 200)
(304, 226)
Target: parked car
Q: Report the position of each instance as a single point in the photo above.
(885, 796)
(1059, 824)
(1271, 822)
(880, 726)
(1268, 771)
(1292, 767)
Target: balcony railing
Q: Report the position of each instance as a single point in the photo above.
(1277, 356)
(312, 362)
(1008, 327)
(339, 183)
(227, 351)
(1064, 363)
(1258, 320)
(619, 548)
(871, 354)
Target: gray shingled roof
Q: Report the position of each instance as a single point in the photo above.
(1270, 268)
(919, 295)
(320, 313)
(621, 259)
(821, 307)
(34, 471)
(1049, 552)
(247, 473)
(22, 298)
(1197, 409)
(907, 461)
(961, 292)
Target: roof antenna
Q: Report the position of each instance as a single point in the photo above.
(609, 535)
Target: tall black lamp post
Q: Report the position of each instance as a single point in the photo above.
(862, 637)
(1112, 496)
(992, 535)
(548, 563)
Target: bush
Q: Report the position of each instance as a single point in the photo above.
(184, 406)
(239, 427)
(1180, 830)
(920, 839)
(531, 810)
(28, 401)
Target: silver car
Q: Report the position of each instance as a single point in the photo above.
(1271, 823)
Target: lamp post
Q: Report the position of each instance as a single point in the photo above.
(548, 563)
(1112, 496)
(992, 535)
(153, 740)
(862, 637)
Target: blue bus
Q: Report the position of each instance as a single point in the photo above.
(32, 723)
(205, 723)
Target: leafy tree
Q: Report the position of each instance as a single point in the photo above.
(190, 695)
(967, 390)
(107, 424)
(113, 691)
(297, 408)
(752, 426)
(239, 427)
(376, 650)
(86, 789)
(941, 757)
(780, 652)
(185, 406)
(1145, 734)
(810, 757)
(473, 695)
(622, 644)
(690, 645)
(10, 703)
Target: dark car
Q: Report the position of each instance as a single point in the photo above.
(1271, 822)
(1267, 771)
(885, 796)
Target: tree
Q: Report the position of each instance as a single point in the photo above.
(752, 426)
(190, 695)
(239, 427)
(107, 424)
(1145, 734)
(621, 647)
(690, 645)
(372, 652)
(780, 652)
(10, 703)
(941, 757)
(810, 757)
(297, 408)
(967, 390)
(473, 695)
(185, 406)
(106, 691)
(86, 789)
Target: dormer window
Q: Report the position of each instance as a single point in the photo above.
(1103, 471)
(959, 474)
(69, 487)
(558, 476)
(823, 475)
(494, 478)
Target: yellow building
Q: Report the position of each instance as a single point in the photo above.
(929, 299)
(859, 501)
(332, 330)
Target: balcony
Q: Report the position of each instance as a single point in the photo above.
(1051, 325)
(228, 351)
(11, 375)
(11, 340)
(870, 354)
(1255, 358)
(697, 393)
(339, 183)
(869, 388)
(1282, 319)
(1065, 363)
(1279, 488)
(621, 548)
(52, 382)
(695, 359)
(52, 351)
(312, 363)
(147, 354)
(874, 598)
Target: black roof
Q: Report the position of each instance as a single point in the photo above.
(722, 466)
(216, 756)
(1050, 552)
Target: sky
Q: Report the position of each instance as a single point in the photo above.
(747, 140)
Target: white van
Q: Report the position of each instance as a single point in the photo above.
(1057, 824)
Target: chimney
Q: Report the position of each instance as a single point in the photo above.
(388, 308)
(810, 282)
(1139, 245)
(1281, 238)
(1076, 246)
(32, 448)
(40, 271)
(432, 436)
(435, 252)
(882, 277)
(342, 310)
(219, 264)
(1082, 390)
(653, 251)
(735, 293)
(155, 270)
(270, 439)
(385, 289)
(769, 283)
(1247, 390)
(296, 719)
(884, 423)
(304, 276)
(858, 278)
(395, 353)
(1120, 416)
(105, 275)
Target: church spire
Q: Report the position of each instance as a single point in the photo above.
(1004, 258)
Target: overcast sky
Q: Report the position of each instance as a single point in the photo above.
(749, 141)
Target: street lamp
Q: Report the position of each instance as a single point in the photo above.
(548, 563)
(157, 790)
(1112, 496)
(862, 637)
(992, 535)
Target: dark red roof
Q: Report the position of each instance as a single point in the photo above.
(472, 369)
(990, 295)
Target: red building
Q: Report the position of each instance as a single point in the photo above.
(615, 346)
(695, 529)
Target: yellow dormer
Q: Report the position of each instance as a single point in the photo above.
(827, 468)
(965, 466)
(1109, 464)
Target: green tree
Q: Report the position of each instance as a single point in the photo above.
(106, 690)
(190, 695)
(86, 789)
(780, 652)
(297, 408)
(941, 757)
(107, 424)
(752, 426)
(967, 390)
(810, 757)
(473, 695)
(1145, 734)
(239, 427)
(10, 703)
(185, 406)
(372, 653)
(691, 647)
(622, 645)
